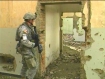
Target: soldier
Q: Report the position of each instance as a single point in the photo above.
(24, 35)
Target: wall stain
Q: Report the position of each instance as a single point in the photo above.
(96, 33)
(101, 49)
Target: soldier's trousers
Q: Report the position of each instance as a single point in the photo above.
(25, 71)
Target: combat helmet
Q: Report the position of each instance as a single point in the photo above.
(29, 16)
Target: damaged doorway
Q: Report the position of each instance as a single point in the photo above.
(73, 38)
(73, 33)
(68, 65)
(50, 25)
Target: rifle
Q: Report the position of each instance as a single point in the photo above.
(36, 40)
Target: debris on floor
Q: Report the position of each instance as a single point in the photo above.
(65, 67)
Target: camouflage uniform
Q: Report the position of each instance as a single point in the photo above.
(27, 47)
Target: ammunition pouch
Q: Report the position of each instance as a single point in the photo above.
(30, 61)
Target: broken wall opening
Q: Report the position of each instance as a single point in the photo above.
(73, 38)
(7, 62)
(73, 33)
(41, 23)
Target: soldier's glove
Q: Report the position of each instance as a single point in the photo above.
(40, 48)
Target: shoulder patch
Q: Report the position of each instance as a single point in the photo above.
(25, 31)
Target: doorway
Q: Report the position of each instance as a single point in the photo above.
(50, 21)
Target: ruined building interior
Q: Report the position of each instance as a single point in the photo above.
(69, 41)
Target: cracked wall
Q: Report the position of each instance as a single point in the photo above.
(95, 68)
(93, 58)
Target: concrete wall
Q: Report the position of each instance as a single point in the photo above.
(95, 68)
(52, 46)
(11, 12)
